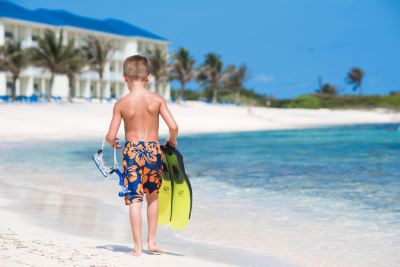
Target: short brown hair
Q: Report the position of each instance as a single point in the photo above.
(136, 68)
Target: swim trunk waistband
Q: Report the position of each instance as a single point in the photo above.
(132, 143)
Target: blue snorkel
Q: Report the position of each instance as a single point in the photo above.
(124, 189)
(107, 171)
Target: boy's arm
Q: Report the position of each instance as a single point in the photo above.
(171, 123)
(111, 137)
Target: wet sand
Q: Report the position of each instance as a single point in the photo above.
(57, 229)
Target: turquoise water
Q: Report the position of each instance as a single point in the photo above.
(359, 164)
(332, 192)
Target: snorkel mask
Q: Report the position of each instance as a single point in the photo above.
(107, 171)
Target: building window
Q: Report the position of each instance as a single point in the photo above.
(9, 35)
(113, 92)
(93, 91)
(121, 89)
(35, 38)
(140, 47)
(112, 67)
(9, 88)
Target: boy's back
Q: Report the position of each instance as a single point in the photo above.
(140, 112)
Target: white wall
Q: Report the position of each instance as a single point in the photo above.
(167, 93)
(3, 84)
(60, 86)
(2, 33)
(130, 48)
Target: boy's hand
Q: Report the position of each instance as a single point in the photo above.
(114, 143)
(171, 142)
(117, 144)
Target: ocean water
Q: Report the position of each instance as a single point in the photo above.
(315, 197)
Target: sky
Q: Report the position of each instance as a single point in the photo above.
(286, 44)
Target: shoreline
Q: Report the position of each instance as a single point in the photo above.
(25, 241)
(197, 134)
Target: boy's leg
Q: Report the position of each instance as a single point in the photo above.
(135, 216)
(152, 217)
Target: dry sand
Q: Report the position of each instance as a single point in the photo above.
(80, 120)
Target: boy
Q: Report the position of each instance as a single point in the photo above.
(142, 166)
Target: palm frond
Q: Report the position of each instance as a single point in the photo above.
(159, 66)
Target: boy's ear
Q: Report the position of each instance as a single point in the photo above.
(149, 77)
(124, 78)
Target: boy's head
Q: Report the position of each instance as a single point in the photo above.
(136, 68)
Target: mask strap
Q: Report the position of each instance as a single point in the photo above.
(115, 157)
(115, 153)
(102, 146)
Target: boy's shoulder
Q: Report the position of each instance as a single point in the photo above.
(155, 97)
(150, 96)
(119, 101)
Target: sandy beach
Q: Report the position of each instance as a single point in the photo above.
(84, 120)
(56, 230)
(66, 228)
(24, 244)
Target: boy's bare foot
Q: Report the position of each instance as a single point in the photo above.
(135, 253)
(154, 249)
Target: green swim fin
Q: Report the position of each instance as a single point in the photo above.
(181, 199)
(165, 195)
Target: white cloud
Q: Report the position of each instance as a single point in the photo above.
(264, 78)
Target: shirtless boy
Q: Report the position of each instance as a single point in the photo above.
(141, 156)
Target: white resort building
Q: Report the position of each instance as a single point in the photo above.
(18, 23)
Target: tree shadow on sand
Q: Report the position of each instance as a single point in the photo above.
(126, 249)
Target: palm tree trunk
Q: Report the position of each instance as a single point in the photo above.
(50, 88)
(71, 86)
(14, 87)
(101, 87)
(181, 92)
(215, 96)
(157, 85)
(237, 96)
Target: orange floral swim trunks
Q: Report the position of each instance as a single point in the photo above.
(142, 169)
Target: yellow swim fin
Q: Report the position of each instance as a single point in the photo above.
(181, 198)
(165, 195)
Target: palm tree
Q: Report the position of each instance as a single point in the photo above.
(51, 53)
(14, 59)
(71, 68)
(159, 66)
(98, 52)
(212, 74)
(355, 77)
(236, 79)
(328, 89)
(183, 69)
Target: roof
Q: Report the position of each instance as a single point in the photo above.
(65, 18)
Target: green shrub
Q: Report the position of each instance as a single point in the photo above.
(187, 94)
(344, 101)
(304, 101)
(244, 99)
